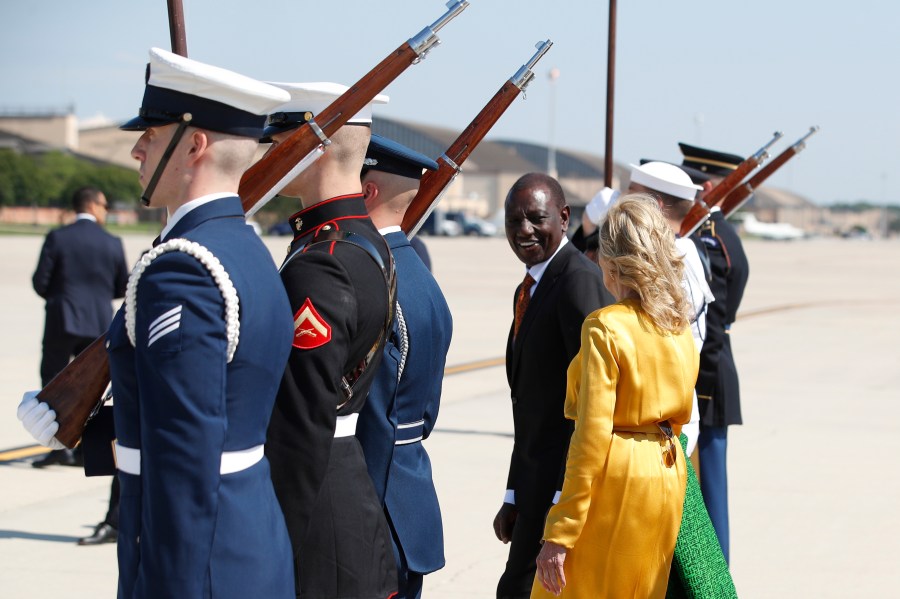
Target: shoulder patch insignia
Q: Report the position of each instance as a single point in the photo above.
(310, 329)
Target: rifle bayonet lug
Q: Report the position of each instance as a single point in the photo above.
(524, 75)
(801, 143)
(426, 39)
(763, 153)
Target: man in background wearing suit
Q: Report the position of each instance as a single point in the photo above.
(560, 289)
(80, 272)
(405, 396)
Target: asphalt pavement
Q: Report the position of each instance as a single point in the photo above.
(814, 486)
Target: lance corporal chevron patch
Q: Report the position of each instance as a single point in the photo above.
(310, 329)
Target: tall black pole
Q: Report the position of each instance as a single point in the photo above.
(610, 94)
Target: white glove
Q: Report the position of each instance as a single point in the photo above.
(598, 206)
(692, 429)
(39, 420)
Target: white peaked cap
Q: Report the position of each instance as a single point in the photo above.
(218, 99)
(665, 178)
(315, 97)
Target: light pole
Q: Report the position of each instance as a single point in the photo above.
(553, 75)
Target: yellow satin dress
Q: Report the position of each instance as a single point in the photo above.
(620, 507)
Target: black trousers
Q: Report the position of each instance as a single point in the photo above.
(58, 351)
(523, 551)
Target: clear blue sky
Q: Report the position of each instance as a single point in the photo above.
(719, 74)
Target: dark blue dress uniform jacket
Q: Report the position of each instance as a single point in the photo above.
(397, 461)
(81, 269)
(718, 391)
(185, 529)
(339, 297)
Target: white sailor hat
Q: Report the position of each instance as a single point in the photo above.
(217, 99)
(309, 99)
(665, 178)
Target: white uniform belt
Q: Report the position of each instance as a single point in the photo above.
(128, 459)
(410, 432)
(345, 426)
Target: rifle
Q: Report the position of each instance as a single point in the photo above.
(699, 212)
(435, 183)
(262, 181)
(176, 27)
(76, 393)
(734, 200)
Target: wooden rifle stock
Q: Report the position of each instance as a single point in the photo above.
(76, 391)
(434, 183)
(176, 27)
(700, 211)
(734, 200)
(265, 178)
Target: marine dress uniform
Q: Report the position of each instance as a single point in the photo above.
(405, 396)
(337, 275)
(718, 391)
(196, 352)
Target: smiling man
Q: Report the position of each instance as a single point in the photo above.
(560, 289)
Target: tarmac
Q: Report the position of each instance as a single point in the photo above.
(814, 485)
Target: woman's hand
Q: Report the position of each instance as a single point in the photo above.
(550, 571)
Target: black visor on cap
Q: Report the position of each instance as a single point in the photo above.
(162, 106)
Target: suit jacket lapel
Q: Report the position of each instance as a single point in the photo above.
(548, 280)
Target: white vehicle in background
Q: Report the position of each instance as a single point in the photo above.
(437, 223)
(776, 231)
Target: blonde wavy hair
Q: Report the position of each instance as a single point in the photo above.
(639, 247)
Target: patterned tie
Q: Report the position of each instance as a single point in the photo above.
(522, 302)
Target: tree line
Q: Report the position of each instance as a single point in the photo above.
(50, 178)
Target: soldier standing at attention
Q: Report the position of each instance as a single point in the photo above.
(338, 275)
(406, 393)
(196, 351)
(717, 383)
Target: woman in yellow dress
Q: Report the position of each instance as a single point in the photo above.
(613, 531)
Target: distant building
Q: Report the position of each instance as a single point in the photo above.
(479, 190)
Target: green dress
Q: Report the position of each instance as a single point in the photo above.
(699, 570)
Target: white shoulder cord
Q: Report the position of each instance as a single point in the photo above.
(404, 340)
(215, 268)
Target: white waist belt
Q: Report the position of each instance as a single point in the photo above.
(345, 425)
(128, 459)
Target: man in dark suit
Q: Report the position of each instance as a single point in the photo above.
(405, 396)
(718, 391)
(560, 289)
(80, 272)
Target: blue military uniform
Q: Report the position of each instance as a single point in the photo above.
(196, 353)
(405, 396)
(183, 406)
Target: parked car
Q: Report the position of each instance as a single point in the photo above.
(280, 228)
(471, 225)
(437, 223)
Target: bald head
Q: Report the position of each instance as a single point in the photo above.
(540, 184)
(387, 196)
